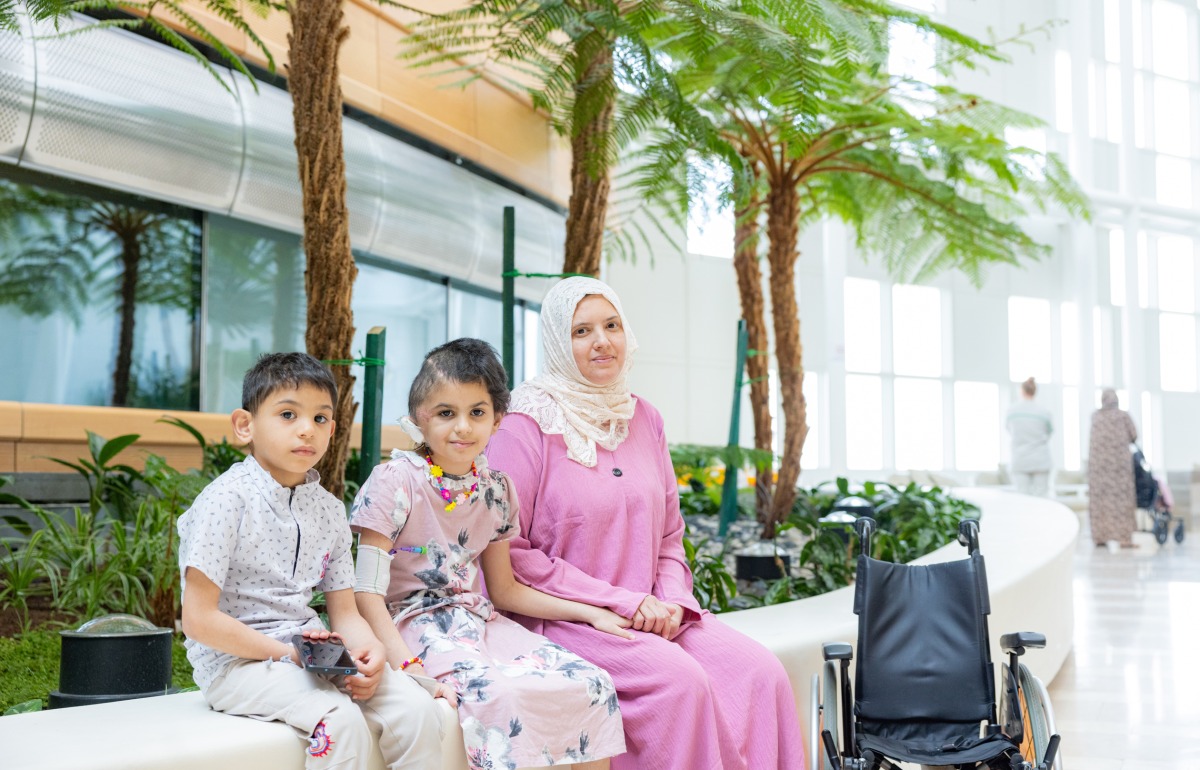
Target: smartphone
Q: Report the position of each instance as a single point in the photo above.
(325, 657)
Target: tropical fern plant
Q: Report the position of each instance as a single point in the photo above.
(921, 173)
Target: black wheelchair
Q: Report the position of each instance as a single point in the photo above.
(924, 691)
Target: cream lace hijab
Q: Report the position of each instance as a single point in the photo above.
(560, 399)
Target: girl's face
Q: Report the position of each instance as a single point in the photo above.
(598, 340)
(457, 420)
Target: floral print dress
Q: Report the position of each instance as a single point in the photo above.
(524, 701)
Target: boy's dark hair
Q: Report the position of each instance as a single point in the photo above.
(465, 360)
(273, 371)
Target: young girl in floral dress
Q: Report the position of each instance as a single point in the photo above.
(429, 520)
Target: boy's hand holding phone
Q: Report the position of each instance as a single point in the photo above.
(371, 661)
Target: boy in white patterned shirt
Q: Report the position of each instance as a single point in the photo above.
(253, 547)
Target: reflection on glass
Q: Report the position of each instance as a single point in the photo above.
(413, 310)
(254, 302)
(98, 296)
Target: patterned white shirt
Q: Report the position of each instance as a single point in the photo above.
(267, 547)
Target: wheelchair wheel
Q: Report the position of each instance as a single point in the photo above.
(1179, 532)
(1039, 719)
(814, 722)
(829, 706)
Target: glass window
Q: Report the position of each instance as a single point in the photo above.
(864, 422)
(918, 408)
(1116, 267)
(1069, 359)
(1139, 110)
(1114, 114)
(1028, 338)
(1063, 106)
(810, 455)
(862, 325)
(98, 296)
(413, 310)
(1172, 117)
(1143, 270)
(1139, 59)
(1177, 351)
(1176, 274)
(1146, 427)
(1112, 30)
(917, 330)
(1169, 31)
(532, 348)
(1173, 181)
(911, 53)
(1070, 433)
(710, 220)
(976, 426)
(254, 304)
(475, 315)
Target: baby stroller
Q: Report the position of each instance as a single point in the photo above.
(924, 688)
(1151, 499)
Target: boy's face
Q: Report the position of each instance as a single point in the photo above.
(289, 432)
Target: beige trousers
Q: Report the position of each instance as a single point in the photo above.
(341, 732)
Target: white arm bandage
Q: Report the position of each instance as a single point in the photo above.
(372, 571)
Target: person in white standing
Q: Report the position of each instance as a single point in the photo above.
(1030, 427)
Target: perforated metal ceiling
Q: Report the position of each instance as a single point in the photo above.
(122, 111)
(16, 91)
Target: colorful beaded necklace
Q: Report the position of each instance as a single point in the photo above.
(464, 496)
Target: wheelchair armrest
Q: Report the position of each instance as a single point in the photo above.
(837, 651)
(1017, 643)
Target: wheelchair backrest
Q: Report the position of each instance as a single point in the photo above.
(923, 650)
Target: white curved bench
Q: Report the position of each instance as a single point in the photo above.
(1028, 543)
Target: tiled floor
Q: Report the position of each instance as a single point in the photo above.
(1128, 697)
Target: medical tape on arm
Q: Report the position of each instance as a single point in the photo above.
(372, 571)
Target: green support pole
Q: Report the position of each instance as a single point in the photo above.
(729, 490)
(508, 297)
(372, 403)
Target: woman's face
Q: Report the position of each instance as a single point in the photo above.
(598, 340)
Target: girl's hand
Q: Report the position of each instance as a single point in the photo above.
(446, 693)
(610, 623)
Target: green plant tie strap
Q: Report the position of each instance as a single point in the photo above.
(360, 361)
(519, 274)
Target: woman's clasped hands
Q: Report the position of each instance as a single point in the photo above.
(657, 617)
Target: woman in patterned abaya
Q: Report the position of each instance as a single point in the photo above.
(1112, 501)
(600, 524)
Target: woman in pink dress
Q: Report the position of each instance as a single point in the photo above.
(600, 524)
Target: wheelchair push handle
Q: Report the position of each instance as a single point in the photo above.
(968, 534)
(865, 527)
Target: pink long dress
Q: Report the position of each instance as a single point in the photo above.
(711, 698)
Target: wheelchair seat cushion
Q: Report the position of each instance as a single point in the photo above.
(929, 743)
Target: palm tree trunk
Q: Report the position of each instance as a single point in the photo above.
(317, 34)
(749, 278)
(592, 116)
(131, 260)
(783, 211)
